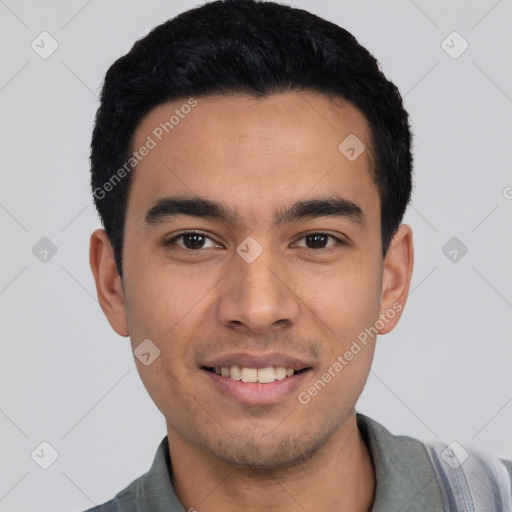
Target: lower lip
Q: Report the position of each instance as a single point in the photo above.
(255, 393)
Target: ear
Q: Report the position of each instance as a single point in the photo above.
(109, 287)
(396, 278)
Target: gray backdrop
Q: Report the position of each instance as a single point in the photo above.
(68, 380)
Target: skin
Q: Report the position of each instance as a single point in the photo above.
(310, 301)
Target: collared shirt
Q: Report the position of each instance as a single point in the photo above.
(405, 479)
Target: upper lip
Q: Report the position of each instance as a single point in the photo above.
(245, 359)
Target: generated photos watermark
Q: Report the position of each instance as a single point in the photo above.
(158, 133)
(304, 397)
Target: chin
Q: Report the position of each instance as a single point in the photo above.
(266, 453)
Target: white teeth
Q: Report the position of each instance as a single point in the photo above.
(262, 375)
(235, 372)
(279, 372)
(249, 375)
(266, 375)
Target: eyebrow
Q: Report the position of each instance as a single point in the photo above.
(174, 206)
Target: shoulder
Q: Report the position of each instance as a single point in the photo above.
(468, 475)
(432, 472)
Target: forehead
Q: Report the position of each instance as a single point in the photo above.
(273, 149)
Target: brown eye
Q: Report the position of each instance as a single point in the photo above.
(319, 241)
(191, 240)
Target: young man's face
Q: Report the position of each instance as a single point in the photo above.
(301, 303)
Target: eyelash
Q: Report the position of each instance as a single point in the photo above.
(170, 242)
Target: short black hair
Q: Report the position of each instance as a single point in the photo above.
(252, 47)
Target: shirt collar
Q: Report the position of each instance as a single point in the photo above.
(405, 478)
(153, 491)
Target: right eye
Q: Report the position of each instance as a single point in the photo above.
(193, 241)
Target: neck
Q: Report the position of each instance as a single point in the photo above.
(338, 476)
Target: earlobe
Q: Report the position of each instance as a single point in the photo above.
(396, 278)
(108, 282)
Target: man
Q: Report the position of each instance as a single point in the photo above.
(251, 165)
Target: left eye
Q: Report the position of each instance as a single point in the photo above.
(319, 238)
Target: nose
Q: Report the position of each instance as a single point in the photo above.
(258, 296)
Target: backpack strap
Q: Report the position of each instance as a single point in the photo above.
(470, 480)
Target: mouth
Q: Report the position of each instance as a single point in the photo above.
(255, 378)
(254, 375)
(255, 386)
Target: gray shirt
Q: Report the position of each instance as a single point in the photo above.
(405, 479)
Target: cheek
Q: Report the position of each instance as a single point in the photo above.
(345, 312)
(158, 312)
(160, 296)
(347, 299)
(164, 308)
